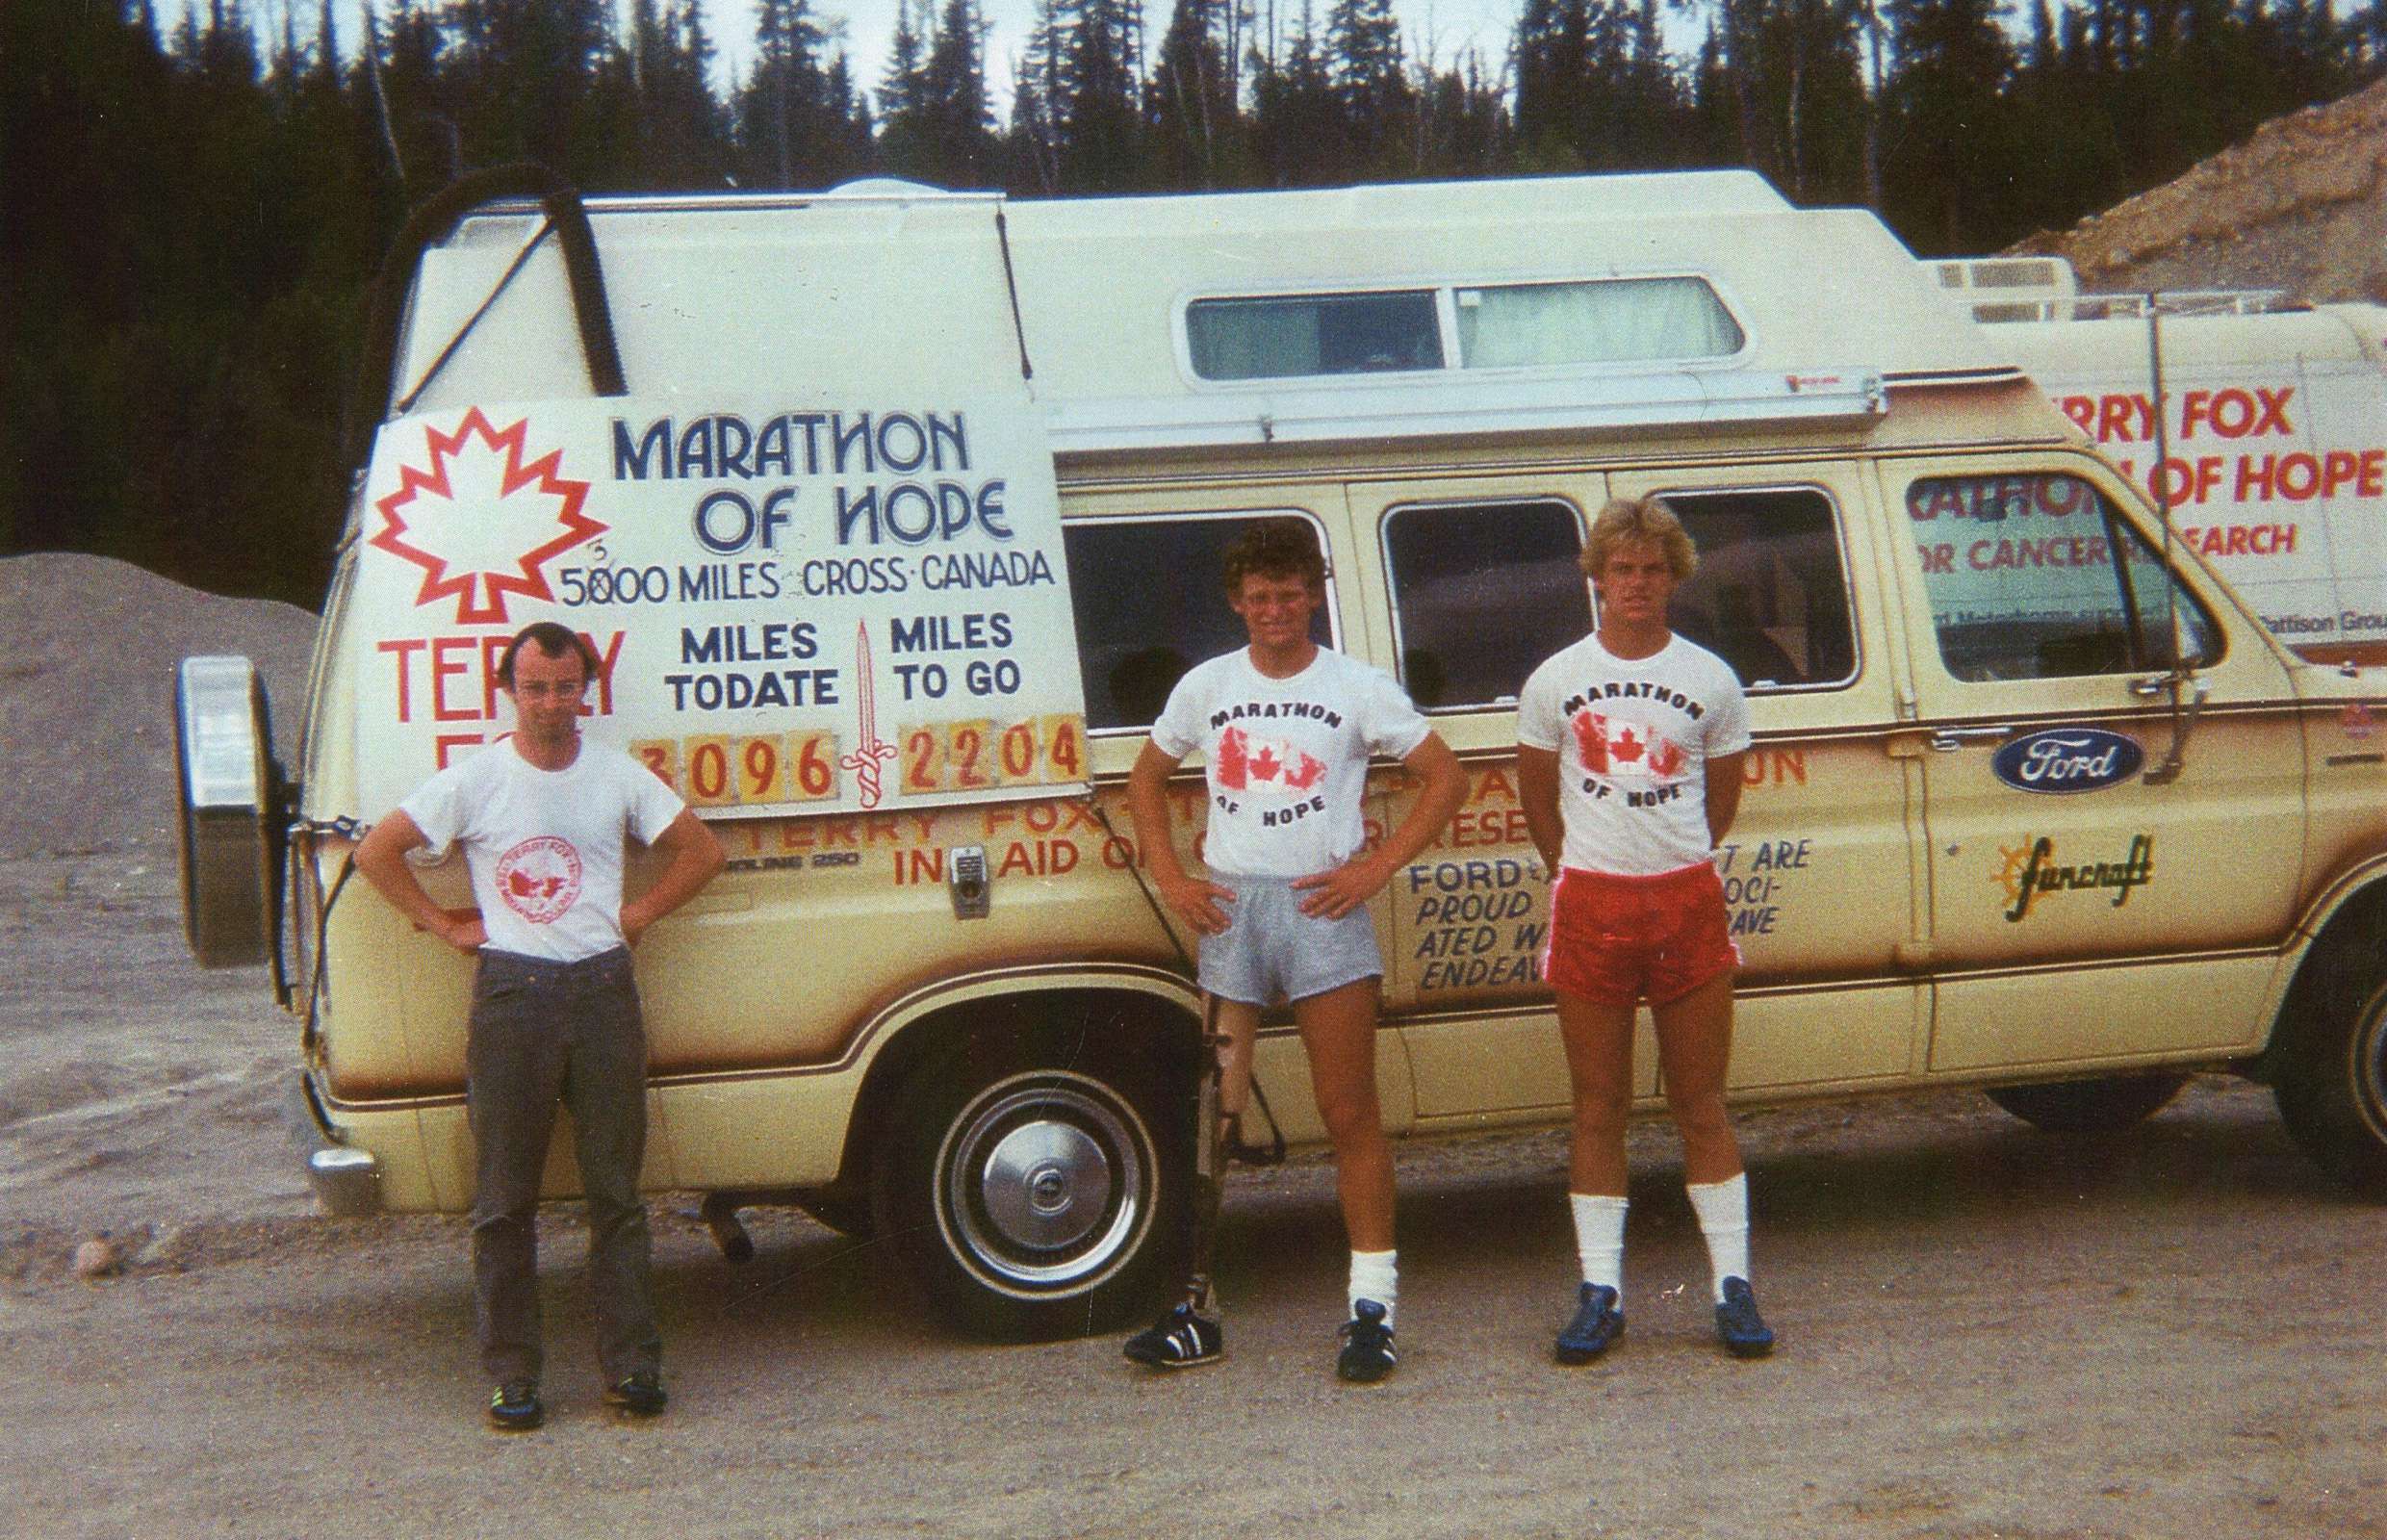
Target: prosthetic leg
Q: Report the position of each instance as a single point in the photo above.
(1189, 1334)
(1209, 1160)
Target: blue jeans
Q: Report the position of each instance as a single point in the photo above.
(545, 1033)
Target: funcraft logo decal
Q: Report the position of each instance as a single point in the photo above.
(2031, 872)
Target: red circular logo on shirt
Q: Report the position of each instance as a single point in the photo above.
(539, 878)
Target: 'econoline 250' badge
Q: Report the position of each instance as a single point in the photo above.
(2062, 759)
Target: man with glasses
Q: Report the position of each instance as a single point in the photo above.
(542, 816)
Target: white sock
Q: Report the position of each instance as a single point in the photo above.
(1600, 1238)
(1723, 1209)
(1374, 1276)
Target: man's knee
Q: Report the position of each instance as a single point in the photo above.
(1351, 1119)
(1603, 1097)
(1700, 1112)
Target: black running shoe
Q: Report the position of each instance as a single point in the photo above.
(514, 1406)
(1367, 1354)
(1743, 1332)
(1595, 1328)
(1183, 1339)
(641, 1395)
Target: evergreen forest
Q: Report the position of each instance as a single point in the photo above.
(194, 199)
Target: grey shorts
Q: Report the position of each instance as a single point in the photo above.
(1272, 951)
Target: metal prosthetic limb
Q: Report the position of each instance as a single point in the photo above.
(1209, 1160)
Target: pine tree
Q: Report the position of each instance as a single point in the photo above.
(797, 122)
(950, 131)
(1191, 114)
(1947, 177)
(1032, 144)
(904, 86)
(1298, 128)
(1371, 87)
(1100, 116)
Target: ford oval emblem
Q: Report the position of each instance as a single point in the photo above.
(2064, 759)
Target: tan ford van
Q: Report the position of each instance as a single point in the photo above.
(895, 513)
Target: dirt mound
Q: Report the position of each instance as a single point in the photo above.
(87, 704)
(2299, 206)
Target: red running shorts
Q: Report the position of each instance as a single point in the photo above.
(1616, 940)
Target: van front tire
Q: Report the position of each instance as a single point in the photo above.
(2329, 1068)
(1035, 1188)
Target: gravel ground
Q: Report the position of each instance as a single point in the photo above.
(1987, 1331)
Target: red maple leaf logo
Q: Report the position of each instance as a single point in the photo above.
(1231, 759)
(1265, 764)
(1591, 739)
(1626, 746)
(529, 499)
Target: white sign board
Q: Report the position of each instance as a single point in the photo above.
(2277, 472)
(797, 607)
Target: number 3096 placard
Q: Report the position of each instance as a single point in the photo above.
(727, 770)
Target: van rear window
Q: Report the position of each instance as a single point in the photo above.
(1149, 605)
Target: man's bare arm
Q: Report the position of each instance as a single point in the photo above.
(1537, 794)
(692, 858)
(1724, 784)
(1194, 901)
(381, 855)
(1336, 893)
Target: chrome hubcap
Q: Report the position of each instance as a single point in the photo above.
(1044, 1184)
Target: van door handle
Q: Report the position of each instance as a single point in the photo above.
(1947, 740)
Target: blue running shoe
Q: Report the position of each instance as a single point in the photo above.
(514, 1407)
(1183, 1339)
(641, 1395)
(1743, 1332)
(1595, 1328)
(1367, 1354)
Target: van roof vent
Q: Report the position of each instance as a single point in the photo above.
(1998, 289)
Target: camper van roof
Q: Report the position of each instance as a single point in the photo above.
(2326, 335)
(1826, 307)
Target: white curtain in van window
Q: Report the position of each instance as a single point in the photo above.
(1612, 322)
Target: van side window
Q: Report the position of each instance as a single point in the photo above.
(1313, 334)
(1770, 595)
(2023, 582)
(1613, 321)
(1482, 594)
(1149, 605)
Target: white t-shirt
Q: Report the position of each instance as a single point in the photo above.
(1634, 739)
(545, 846)
(1288, 758)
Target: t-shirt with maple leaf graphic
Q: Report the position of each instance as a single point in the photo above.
(1287, 758)
(545, 847)
(1634, 737)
